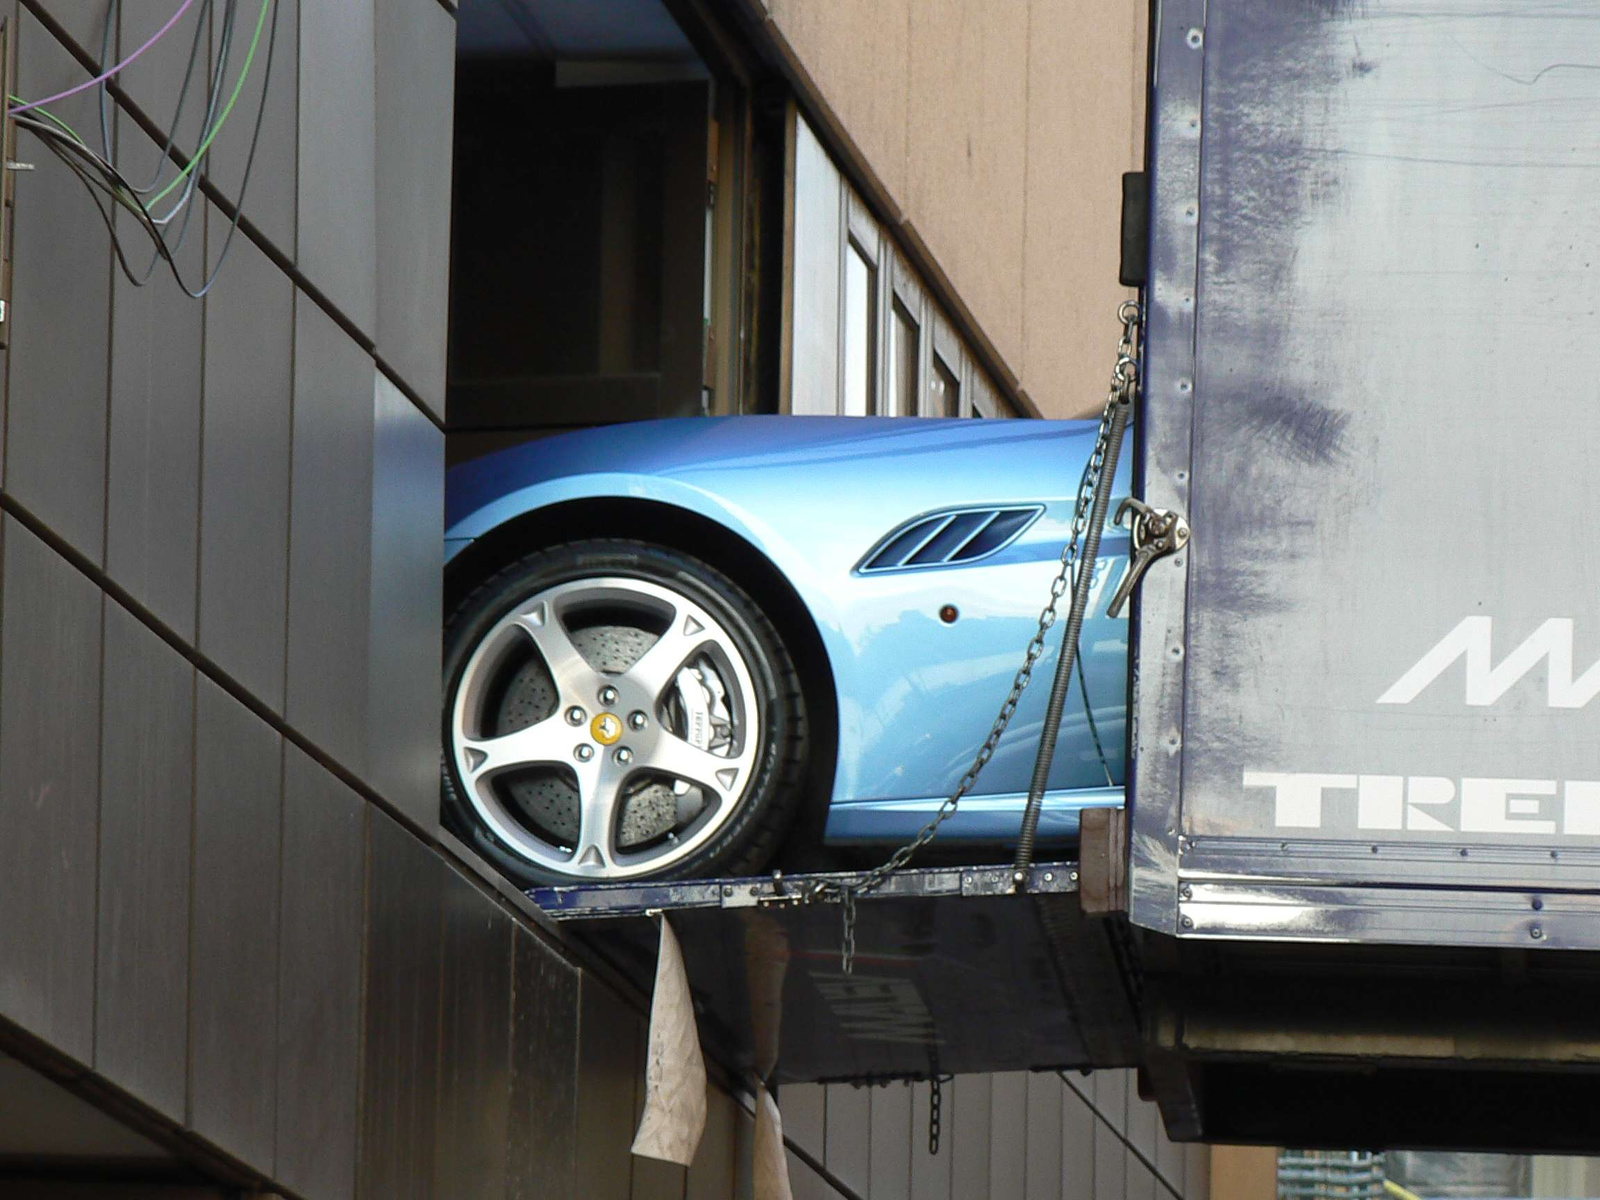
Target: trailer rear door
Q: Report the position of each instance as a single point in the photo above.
(1366, 693)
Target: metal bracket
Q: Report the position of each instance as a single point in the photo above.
(1103, 861)
(1156, 532)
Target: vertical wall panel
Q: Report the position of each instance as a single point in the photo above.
(153, 461)
(154, 79)
(744, 1155)
(930, 1173)
(1143, 1129)
(814, 327)
(894, 1140)
(146, 812)
(1197, 1172)
(1044, 1165)
(805, 1115)
(967, 1098)
(330, 536)
(319, 979)
(475, 1049)
(338, 150)
(714, 1173)
(848, 1135)
(541, 1151)
(270, 200)
(1008, 1134)
(1169, 1160)
(244, 493)
(1141, 1183)
(58, 318)
(416, 93)
(399, 1075)
(1077, 1145)
(233, 990)
(608, 1068)
(49, 791)
(1110, 1155)
(806, 1184)
(404, 618)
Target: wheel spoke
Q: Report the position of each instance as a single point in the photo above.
(599, 791)
(724, 776)
(658, 666)
(541, 624)
(548, 741)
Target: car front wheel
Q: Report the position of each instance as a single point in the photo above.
(618, 710)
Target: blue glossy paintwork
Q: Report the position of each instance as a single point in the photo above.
(915, 696)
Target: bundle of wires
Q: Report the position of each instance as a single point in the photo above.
(109, 186)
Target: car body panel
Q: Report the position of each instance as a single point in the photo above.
(916, 695)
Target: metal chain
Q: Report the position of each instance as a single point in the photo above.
(935, 1099)
(1124, 382)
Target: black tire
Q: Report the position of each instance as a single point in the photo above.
(764, 810)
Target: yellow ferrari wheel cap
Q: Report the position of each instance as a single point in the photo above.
(606, 728)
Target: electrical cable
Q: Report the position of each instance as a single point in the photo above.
(50, 116)
(213, 95)
(237, 87)
(113, 11)
(73, 91)
(115, 184)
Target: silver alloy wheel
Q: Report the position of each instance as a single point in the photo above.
(680, 716)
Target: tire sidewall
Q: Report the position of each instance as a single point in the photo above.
(765, 657)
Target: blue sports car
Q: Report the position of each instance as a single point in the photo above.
(672, 645)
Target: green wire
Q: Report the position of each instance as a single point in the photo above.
(121, 197)
(55, 120)
(238, 86)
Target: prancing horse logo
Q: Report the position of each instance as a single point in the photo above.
(606, 728)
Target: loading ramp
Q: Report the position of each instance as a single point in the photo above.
(954, 971)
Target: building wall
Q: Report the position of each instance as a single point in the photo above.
(229, 916)
(993, 137)
(1028, 1135)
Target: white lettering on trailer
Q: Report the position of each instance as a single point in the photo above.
(1473, 639)
(1435, 804)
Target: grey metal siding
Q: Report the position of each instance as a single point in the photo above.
(608, 1067)
(403, 614)
(337, 191)
(49, 792)
(1043, 1161)
(541, 1152)
(893, 1141)
(153, 457)
(475, 1045)
(59, 320)
(1035, 1136)
(330, 533)
(415, 90)
(400, 1054)
(320, 951)
(146, 801)
(271, 201)
(244, 493)
(233, 991)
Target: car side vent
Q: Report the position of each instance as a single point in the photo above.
(949, 539)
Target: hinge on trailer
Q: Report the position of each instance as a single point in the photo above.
(1134, 268)
(1103, 861)
(1156, 532)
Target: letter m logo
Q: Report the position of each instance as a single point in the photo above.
(1473, 639)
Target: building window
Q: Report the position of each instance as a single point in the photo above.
(944, 392)
(906, 340)
(860, 325)
(862, 332)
